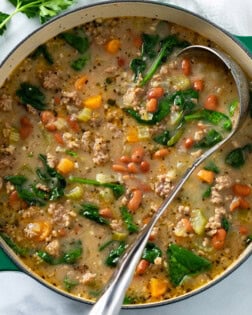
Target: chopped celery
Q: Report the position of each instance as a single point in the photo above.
(85, 114)
(75, 193)
(198, 221)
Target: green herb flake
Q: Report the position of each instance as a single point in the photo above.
(32, 95)
(91, 212)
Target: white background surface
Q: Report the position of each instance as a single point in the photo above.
(21, 295)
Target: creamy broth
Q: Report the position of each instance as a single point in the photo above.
(98, 141)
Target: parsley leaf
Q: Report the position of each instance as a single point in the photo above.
(44, 9)
(3, 20)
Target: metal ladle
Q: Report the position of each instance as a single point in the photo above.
(111, 300)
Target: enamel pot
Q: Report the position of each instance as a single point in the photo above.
(239, 48)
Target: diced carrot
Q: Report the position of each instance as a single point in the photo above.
(242, 190)
(158, 287)
(65, 166)
(113, 46)
(106, 213)
(159, 154)
(16, 202)
(155, 92)
(206, 176)
(132, 135)
(58, 137)
(151, 105)
(243, 230)
(189, 142)
(198, 85)
(186, 66)
(218, 239)
(73, 124)
(142, 266)
(80, 83)
(93, 102)
(26, 127)
(211, 102)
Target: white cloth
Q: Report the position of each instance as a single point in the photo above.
(232, 15)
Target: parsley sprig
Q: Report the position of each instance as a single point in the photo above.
(44, 9)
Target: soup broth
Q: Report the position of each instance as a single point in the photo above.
(97, 125)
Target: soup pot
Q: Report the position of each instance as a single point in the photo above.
(239, 48)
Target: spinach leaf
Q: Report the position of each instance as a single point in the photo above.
(29, 194)
(232, 107)
(151, 252)
(149, 45)
(184, 99)
(21, 251)
(91, 212)
(138, 66)
(237, 157)
(128, 220)
(225, 224)
(42, 50)
(183, 262)
(162, 138)
(54, 182)
(211, 166)
(70, 256)
(69, 283)
(207, 192)
(31, 94)
(216, 118)
(210, 139)
(117, 189)
(79, 63)
(80, 43)
(115, 255)
(166, 47)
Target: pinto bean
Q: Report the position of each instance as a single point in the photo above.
(159, 154)
(120, 168)
(145, 166)
(186, 66)
(156, 92)
(132, 167)
(135, 200)
(137, 155)
(125, 159)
